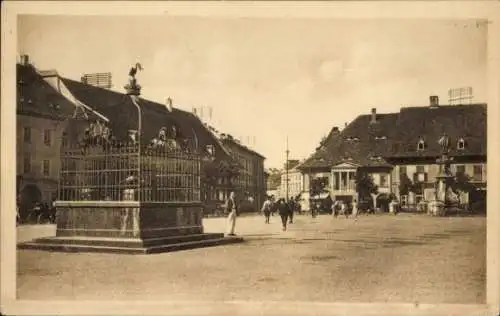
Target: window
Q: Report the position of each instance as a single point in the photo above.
(421, 144)
(478, 173)
(47, 137)
(27, 134)
(420, 169)
(64, 142)
(461, 169)
(46, 168)
(404, 200)
(461, 144)
(402, 170)
(419, 198)
(383, 181)
(27, 164)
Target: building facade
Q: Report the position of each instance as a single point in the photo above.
(295, 183)
(42, 116)
(397, 148)
(251, 180)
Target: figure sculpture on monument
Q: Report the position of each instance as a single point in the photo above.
(132, 73)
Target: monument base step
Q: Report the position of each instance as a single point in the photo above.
(128, 245)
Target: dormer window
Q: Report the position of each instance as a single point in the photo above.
(210, 150)
(352, 138)
(380, 137)
(421, 144)
(461, 144)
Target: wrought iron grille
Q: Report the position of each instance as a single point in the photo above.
(127, 172)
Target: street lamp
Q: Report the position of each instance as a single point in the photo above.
(286, 167)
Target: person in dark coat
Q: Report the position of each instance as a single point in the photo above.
(291, 208)
(284, 211)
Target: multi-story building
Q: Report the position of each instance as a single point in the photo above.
(42, 115)
(403, 146)
(295, 183)
(251, 179)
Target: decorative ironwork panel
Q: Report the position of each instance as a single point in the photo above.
(127, 172)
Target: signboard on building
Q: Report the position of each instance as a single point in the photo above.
(460, 95)
(102, 80)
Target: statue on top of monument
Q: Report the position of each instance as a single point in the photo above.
(133, 72)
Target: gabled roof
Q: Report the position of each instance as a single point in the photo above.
(457, 121)
(231, 142)
(396, 135)
(123, 116)
(35, 97)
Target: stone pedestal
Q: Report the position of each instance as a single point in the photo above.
(439, 205)
(134, 89)
(128, 227)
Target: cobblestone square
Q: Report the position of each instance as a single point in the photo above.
(378, 258)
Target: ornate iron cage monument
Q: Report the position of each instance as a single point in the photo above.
(123, 189)
(125, 196)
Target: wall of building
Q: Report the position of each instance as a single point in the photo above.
(35, 151)
(295, 183)
(432, 171)
(251, 179)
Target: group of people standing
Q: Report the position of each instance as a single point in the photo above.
(340, 207)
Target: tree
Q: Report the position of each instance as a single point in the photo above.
(405, 184)
(318, 186)
(462, 183)
(322, 143)
(364, 185)
(274, 179)
(213, 170)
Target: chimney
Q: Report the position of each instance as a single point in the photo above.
(169, 104)
(336, 130)
(434, 101)
(25, 60)
(374, 116)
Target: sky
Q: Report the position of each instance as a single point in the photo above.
(269, 79)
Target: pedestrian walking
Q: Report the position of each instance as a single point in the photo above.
(291, 208)
(343, 209)
(266, 209)
(335, 208)
(231, 208)
(354, 213)
(284, 212)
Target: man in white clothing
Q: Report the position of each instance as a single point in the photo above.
(231, 218)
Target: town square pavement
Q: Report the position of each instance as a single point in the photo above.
(378, 258)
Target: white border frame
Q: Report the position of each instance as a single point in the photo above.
(367, 9)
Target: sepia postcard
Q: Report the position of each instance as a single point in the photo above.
(250, 158)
